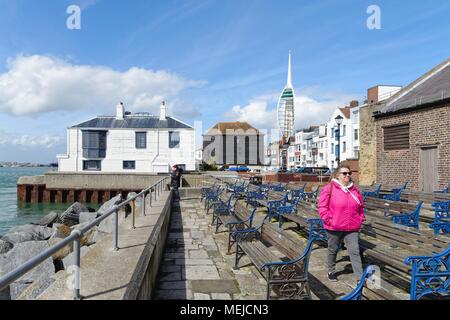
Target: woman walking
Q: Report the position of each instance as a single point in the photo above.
(341, 209)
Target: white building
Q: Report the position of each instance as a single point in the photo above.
(139, 142)
(349, 147)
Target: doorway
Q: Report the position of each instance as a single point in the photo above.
(429, 169)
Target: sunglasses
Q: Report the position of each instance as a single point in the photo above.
(347, 173)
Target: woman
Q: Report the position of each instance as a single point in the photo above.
(341, 209)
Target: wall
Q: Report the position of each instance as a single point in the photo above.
(429, 126)
(121, 146)
(367, 147)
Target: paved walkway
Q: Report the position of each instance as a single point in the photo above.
(196, 265)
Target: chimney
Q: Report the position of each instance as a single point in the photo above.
(162, 109)
(354, 103)
(120, 111)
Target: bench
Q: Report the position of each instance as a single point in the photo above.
(252, 197)
(237, 214)
(445, 190)
(430, 275)
(409, 219)
(441, 222)
(221, 207)
(286, 279)
(375, 193)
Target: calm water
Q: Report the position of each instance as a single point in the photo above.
(13, 214)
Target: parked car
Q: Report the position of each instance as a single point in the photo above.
(239, 169)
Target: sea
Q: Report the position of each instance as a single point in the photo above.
(12, 213)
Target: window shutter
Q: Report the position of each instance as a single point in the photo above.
(396, 137)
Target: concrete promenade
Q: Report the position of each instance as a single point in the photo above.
(196, 264)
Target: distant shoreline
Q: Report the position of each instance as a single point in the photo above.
(26, 165)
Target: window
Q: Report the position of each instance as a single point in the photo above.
(332, 148)
(321, 156)
(94, 144)
(344, 130)
(174, 139)
(356, 134)
(356, 153)
(141, 140)
(336, 150)
(92, 165)
(344, 146)
(396, 137)
(129, 165)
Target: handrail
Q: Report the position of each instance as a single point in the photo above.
(75, 238)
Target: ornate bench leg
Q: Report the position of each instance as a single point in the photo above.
(239, 254)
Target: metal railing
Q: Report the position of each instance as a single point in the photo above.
(75, 238)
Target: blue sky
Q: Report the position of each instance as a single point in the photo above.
(211, 60)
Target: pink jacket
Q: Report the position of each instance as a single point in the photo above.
(342, 212)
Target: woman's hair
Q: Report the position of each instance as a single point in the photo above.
(338, 169)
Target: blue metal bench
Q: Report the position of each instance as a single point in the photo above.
(288, 279)
(313, 194)
(445, 190)
(221, 206)
(410, 219)
(441, 222)
(375, 193)
(396, 193)
(356, 294)
(273, 205)
(252, 197)
(212, 196)
(430, 275)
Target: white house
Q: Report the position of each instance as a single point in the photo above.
(139, 142)
(349, 146)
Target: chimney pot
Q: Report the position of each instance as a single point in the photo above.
(120, 111)
(162, 109)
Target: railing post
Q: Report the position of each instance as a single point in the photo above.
(116, 230)
(133, 212)
(155, 191)
(77, 264)
(150, 197)
(143, 204)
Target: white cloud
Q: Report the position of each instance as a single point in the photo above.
(261, 111)
(37, 84)
(30, 140)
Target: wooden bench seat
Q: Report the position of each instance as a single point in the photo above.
(286, 275)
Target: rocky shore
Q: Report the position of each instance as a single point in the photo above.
(22, 243)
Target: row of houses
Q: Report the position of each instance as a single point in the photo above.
(327, 144)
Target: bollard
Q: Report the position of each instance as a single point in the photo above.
(133, 212)
(116, 230)
(77, 263)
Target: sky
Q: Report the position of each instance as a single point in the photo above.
(210, 60)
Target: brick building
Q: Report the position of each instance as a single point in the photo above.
(412, 131)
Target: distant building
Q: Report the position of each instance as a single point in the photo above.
(273, 156)
(286, 107)
(348, 147)
(233, 143)
(129, 142)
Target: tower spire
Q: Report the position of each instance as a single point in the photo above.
(289, 76)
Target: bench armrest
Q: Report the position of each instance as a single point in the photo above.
(303, 256)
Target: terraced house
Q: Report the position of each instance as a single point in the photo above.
(129, 142)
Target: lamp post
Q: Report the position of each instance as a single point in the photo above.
(338, 120)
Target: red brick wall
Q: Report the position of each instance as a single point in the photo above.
(427, 127)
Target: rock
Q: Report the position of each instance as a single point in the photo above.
(60, 231)
(48, 220)
(5, 246)
(109, 204)
(64, 252)
(87, 217)
(32, 291)
(71, 216)
(28, 232)
(18, 255)
(91, 209)
(90, 237)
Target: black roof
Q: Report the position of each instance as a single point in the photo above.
(133, 122)
(434, 86)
